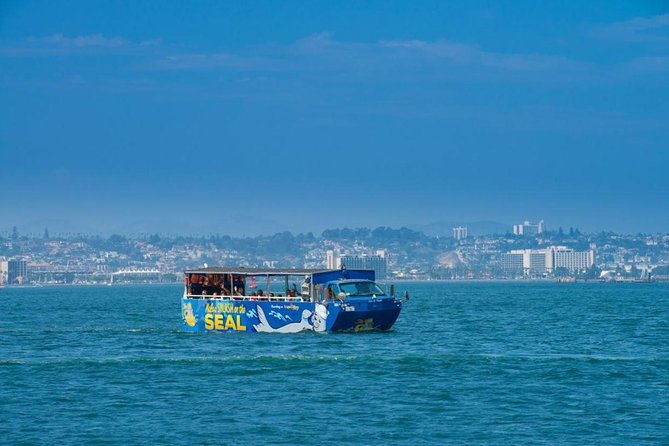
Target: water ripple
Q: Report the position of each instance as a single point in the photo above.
(467, 363)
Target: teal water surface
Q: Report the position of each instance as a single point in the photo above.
(466, 363)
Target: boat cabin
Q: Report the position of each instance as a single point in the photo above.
(302, 285)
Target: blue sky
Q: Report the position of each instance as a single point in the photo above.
(255, 117)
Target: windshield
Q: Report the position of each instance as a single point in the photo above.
(361, 289)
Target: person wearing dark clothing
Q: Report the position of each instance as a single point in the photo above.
(195, 286)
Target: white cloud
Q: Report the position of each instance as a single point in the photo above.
(92, 40)
(151, 42)
(639, 29)
(322, 53)
(650, 63)
(464, 54)
(457, 52)
(202, 61)
(61, 44)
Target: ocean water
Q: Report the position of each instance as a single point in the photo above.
(466, 363)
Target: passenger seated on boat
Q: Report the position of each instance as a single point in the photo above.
(210, 286)
(260, 293)
(195, 287)
(207, 289)
(238, 282)
(329, 293)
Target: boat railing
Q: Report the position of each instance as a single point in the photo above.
(247, 298)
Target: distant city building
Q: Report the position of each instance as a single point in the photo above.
(379, 263)
(512, 261)
(17, 270)
(4, 271)
(460, 232)
(332, 259)
(78, 260)
(574, 260)
(527, 228)
(526, 261)
(539, 261)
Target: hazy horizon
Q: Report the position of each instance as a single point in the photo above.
(258, 117)
(441, 228)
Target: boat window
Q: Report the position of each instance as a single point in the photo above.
(361, 289)
(332, 291)
(215, 285)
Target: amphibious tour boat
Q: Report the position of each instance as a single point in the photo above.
(263, 300)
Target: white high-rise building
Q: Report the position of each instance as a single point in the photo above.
(528, 261)
(332, 259)
(574, 260)
(379, 263)
(513, 261)
(4, 271)
(539, 261)
(527, 228)
(460, 232)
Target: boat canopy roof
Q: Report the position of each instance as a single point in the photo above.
(241, 270)
(319, 275)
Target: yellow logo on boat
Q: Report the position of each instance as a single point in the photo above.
(189, 317)
(223, 322)
(224, 307)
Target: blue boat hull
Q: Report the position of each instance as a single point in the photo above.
(202, 315)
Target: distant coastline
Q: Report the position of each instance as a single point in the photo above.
(406, 255)
(382, 282)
